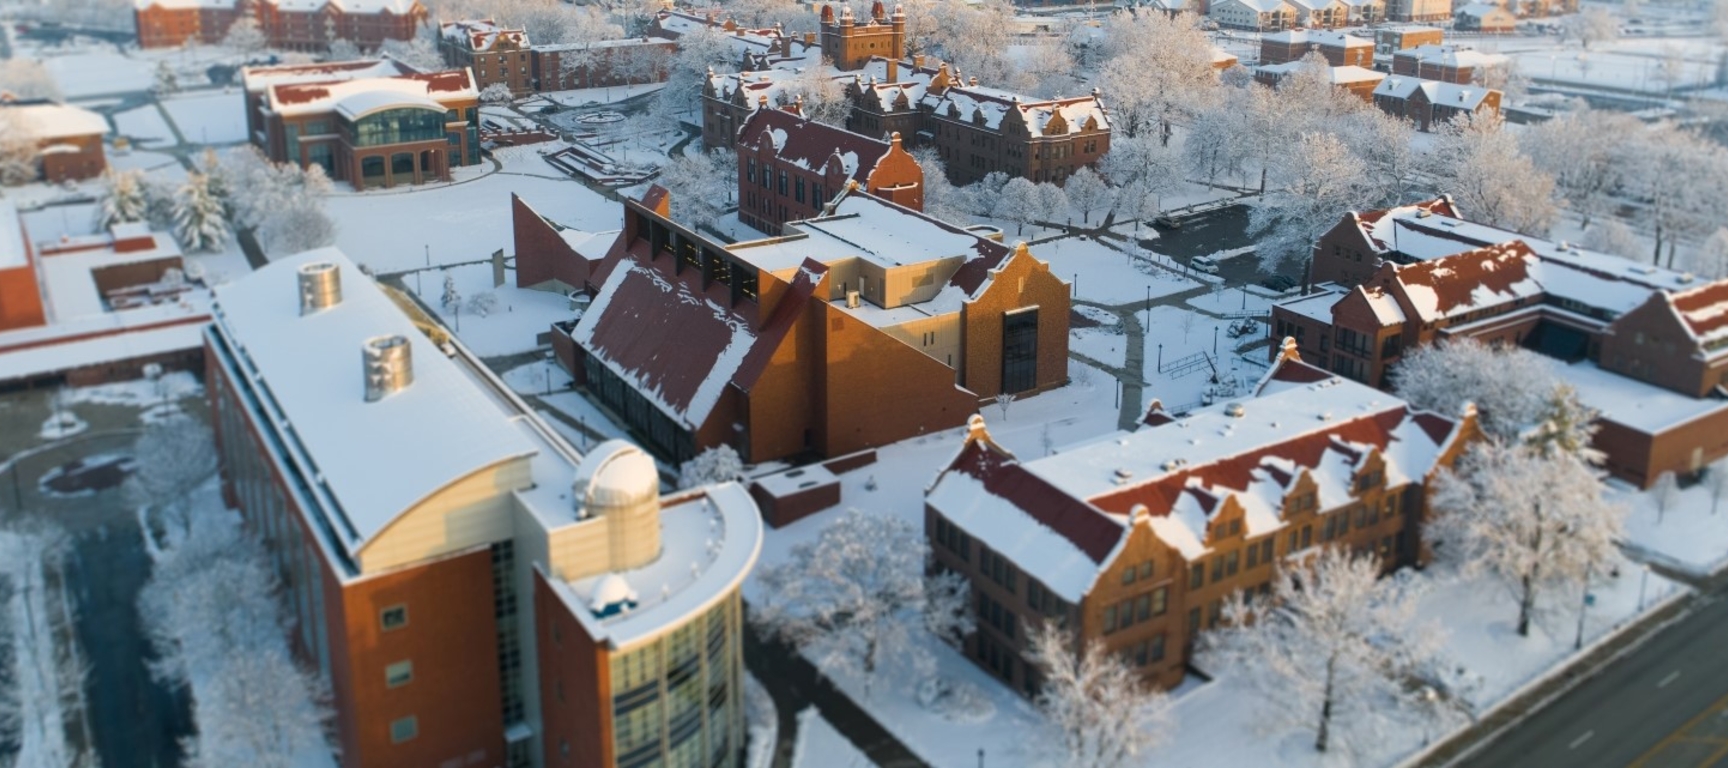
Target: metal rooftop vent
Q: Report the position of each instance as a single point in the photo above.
(320, 286)
(1235, 410)
(389, 366)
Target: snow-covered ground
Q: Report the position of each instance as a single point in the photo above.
(514, 325)
(1107, 273)
(97, 71)
(820, 746)
(1631, 63)
(36, 677)
(144, 126)
(586, 96)
(209, 117)
(1693, 531)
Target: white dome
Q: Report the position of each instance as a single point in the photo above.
(612, 591)
(618, 474)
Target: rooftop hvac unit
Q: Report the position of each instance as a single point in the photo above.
(389, 366)
(320, 286)
(851, 299)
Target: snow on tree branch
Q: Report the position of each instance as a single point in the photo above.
(718, 464)
(1103, 715)
(1508, 385)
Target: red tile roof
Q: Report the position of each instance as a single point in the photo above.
(1456, 280)
(1089, 531)
(811, 144)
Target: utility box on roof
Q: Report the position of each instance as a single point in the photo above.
(790, 496)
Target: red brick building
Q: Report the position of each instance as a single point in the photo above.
(1429, 104)
(1445, 63)
(295, 25)
(1340, 49)
(1388, 40)
(495, 54)
(362, 125)
(1136, 540)
(1639, 343)
(1360, 81)
(790, 167)
(472, 590)
(864, 326)
(611, 62)
(20, 298)
(68, 139)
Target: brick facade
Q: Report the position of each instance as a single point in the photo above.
(789, 167)
(168, 23)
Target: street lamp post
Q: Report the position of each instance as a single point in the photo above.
(1160, 358)
(1583, 602)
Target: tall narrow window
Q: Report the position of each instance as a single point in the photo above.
(1020, 350)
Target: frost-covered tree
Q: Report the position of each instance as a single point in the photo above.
(1020, 203)
(1612, 236)
(27, 78)
(1664, 494)
(451, 297)
(1591, 26)
(173, 457)
(1536, 521)
(419, 53)
(1053, 204)
(942, 200)
(1509, 385)
(1141, 167)
(699, 51)
(296, 229)
(1584, 150)
(1481, 167)
(166, 82)
(716, 464)
(261, 709)
(123, 199)
(1710, 259)
(342, 49)
(820, 96)
(483, 303)
(496, 93)
(1103, 715)
(244, 37)
(584, 27)
(1330, 650)
(1310, 185)
(1088, 193)
(702, 185)
(1675, 177)
(855, 597)
(1158, 73)
(1382, 142)
(200, 223)
(18, 149)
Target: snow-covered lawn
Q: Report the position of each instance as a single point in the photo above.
(1630, 63)
(1107, 274)
(820, 746)
(144, 126)
(158, 167)
(37, 677)
(209, 117)
(1182, 333)
(97, 71)
(515, 323)
(1693, 531)
(584, 96)
(392, 230)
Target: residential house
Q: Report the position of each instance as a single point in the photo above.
(1340, 49)
(1136, 540)
(1446, 63)
(1429, 103)
(1256, 15)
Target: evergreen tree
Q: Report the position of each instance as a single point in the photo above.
(123, 199)
(166, 81)
(199, 223)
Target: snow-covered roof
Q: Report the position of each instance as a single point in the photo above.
(182, 5)
(357, 98)
(14, 250)
(709, 540)
(397, 7)
(1642, 407)
(1437, 92)
(812, 145)
(636, 312)
(1450, 55)
(375, 460)
(49, 121)
(1480, 10)
(1316, 305)
(1043, 117)
(481, 34)
(866, 227)
(1338, 75)
(256, 79)
(1062, 517)
(67, 267)
(1267, 6)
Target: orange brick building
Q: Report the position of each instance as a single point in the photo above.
(1430, 104)
(790, 167)
(1644, 346)
(864, 326)
(20, 298)
(1137, 539)
(295, 26)
(472, 590)
(1340, 49)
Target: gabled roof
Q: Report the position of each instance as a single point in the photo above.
(256, 79)
(990, 105)
(481, 34)
(811, 145)
(1436, 91)
(1469, 281)
(1704, 311)
(49, 121)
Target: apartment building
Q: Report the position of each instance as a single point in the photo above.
(295, 25)
(1430, 104)
(1340, 49)
(1135, 540)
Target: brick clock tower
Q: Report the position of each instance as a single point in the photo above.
(850, 45)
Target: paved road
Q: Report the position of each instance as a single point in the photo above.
(1661, 706)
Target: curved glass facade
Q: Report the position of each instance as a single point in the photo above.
(676, 700)
(396, 126)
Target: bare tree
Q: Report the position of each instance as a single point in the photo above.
(259, 710)
(1481, 167)
(1103, 715)
(855, 596)
(1158, 73)
(1329, 649)
(820, 96)
(1664, 494)
(1591, 26)
(496, 93)
(1612, 236)
(1309, 187)
(1584, 151)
